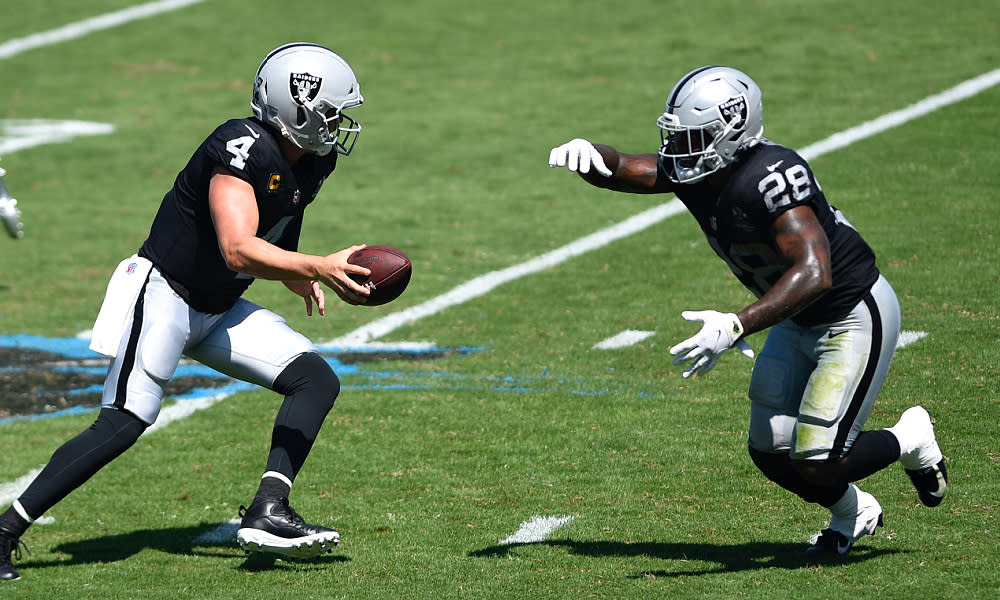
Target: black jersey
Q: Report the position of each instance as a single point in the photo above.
(767, 181)
(182, 241)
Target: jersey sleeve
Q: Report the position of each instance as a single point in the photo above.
(240, 148)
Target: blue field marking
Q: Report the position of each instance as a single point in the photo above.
(76, 410)
(356, 365)
(67, 347)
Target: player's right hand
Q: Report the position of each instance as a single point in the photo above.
(719, 332)
(337, 276)
(578, 155)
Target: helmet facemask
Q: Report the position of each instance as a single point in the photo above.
(320, 127)
(692, 149)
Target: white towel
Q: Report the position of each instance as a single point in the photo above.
(119, 303)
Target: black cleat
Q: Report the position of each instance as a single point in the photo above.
(931, 483)
(9, 545)
(274, 526)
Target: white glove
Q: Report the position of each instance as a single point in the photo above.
(578, 155)
(9, 213)
(718, 334)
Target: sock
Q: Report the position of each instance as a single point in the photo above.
(310, 387)
(80, 458)
(872, 451)
(847, 506)
(272, 486)
(905, 439)
(15, 521)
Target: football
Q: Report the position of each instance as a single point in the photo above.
(390, 272)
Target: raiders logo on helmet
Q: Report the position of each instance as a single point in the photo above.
(734, 111)
(304, 87)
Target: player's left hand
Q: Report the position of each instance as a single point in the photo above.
(719, 332)
(310, 291)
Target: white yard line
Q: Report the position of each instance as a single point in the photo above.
(224, 533)
(535, 530)
(81, 28)
(908, 337)
(19, 134)
(960, 92)
(486, 283)
(629, 337)
(11, 490)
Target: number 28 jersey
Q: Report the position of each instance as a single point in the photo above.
(767, 181)
(182, 241)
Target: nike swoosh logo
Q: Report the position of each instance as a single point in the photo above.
(771, 168)
(252, 132)
(942, 487)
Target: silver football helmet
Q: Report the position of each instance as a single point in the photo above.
(711, 115)
(303, 90)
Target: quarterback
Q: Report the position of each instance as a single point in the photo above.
(834, 319)
(232, 216)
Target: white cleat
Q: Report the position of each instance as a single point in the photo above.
(924, 462)
(843, 533)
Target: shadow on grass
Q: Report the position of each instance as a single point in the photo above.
(174, 540)
(728, 558)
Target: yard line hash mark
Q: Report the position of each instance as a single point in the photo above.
(629, 337)
(535, 530)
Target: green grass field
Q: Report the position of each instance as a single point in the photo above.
(427, 463)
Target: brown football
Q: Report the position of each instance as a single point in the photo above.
(390, 272)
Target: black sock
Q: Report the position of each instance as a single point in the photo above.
(80, 458)
(13, 523)
(872, 451)
(271, 487)
(310, 387)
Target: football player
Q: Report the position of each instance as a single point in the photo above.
(9, 213)
(833, 318)
(232, 216)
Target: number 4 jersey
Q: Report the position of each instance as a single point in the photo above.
(767, 181)
(182, 241)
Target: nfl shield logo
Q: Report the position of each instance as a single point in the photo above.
(131, 268)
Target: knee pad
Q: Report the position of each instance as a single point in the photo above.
(308, 371)
(121, 428)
